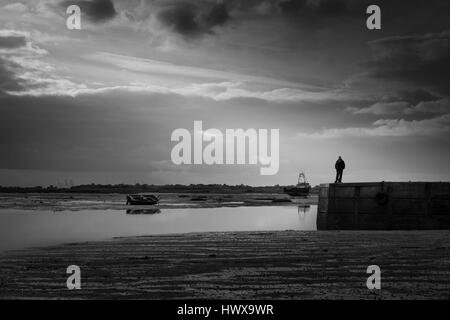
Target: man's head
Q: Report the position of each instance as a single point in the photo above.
(340, 158)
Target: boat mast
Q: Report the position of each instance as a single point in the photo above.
(301, 177)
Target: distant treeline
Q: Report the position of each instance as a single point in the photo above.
(144, 188)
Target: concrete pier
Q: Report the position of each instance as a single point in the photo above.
(384, 206)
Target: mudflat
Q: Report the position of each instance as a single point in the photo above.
(115, 201)
(237, 265)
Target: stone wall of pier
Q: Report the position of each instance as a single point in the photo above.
(384, 205)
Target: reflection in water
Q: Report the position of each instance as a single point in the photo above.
(302, 212)
(144, 211)
(21, 228)
(303, 209)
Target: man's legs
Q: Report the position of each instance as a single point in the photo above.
(339, 176)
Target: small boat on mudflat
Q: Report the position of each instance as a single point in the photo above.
(142, 199)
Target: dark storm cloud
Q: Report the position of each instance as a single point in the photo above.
(291, 7)
(319, 7)
(8, 81)
(295, 6)
(413, 103)
(413, 15)
(190, 19)
(12, 42)
(95, 10)
(413, 97)
(196, 18)
(217, 15)
(422, 60)
(333, 6)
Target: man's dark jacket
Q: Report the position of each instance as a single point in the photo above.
(340, 165)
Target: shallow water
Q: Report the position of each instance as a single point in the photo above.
(25, 228)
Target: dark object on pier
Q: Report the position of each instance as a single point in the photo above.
(142, 199)
(384, 206)
(302, 188)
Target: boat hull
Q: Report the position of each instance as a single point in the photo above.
(141, 203)
(138, 200)
(297, 191)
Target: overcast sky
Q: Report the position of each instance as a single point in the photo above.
(100, 104)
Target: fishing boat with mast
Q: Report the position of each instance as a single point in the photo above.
(302, 188)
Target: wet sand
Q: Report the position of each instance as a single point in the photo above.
(237, 265)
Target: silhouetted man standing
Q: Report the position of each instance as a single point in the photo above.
(339, 166)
